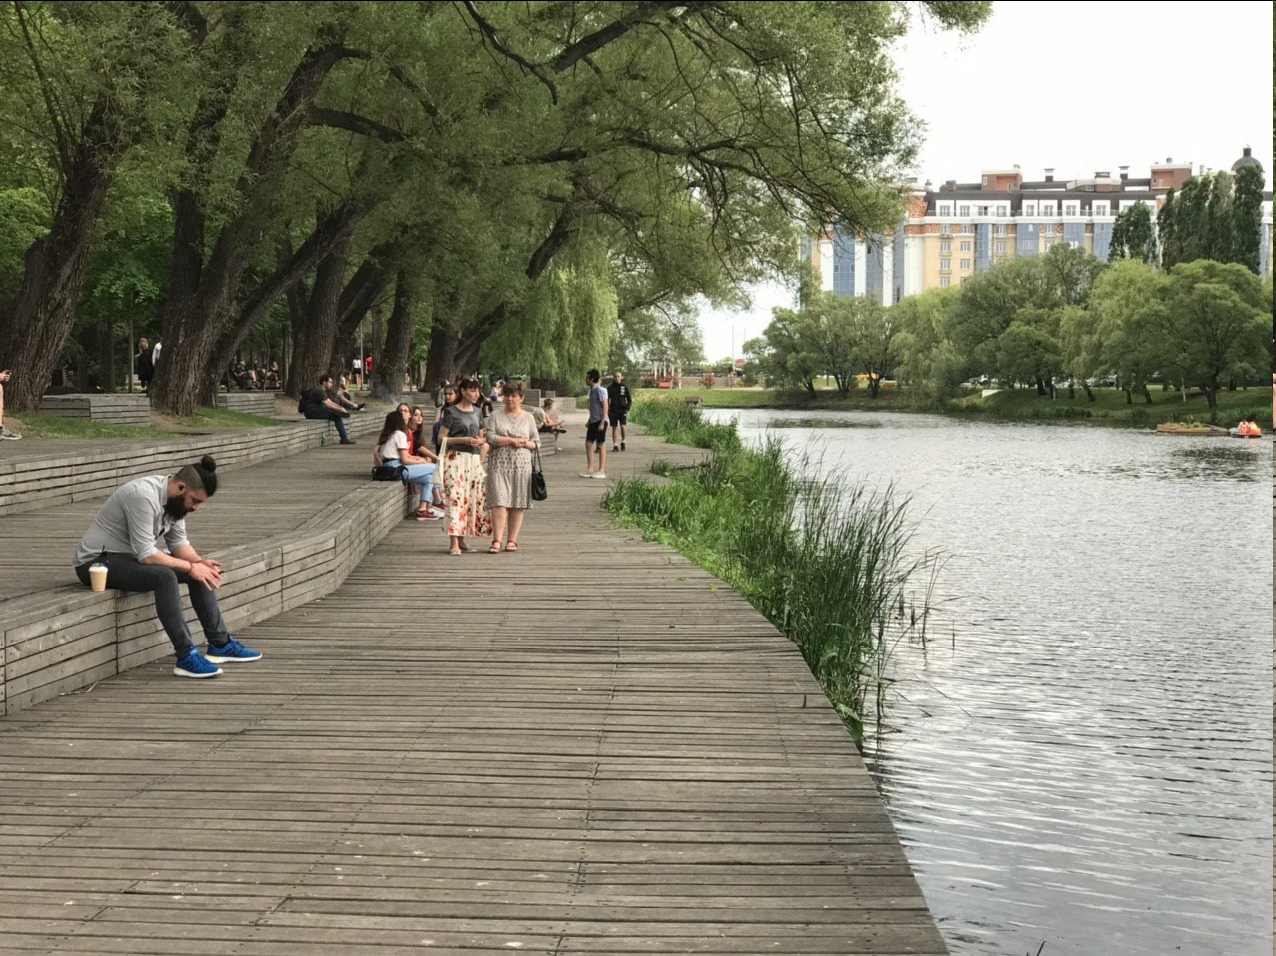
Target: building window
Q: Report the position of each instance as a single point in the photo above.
(1070, 209)
(1030, 209)
(1100, 209)
(1001, 210)
(1001, 229)
(963, 211)
(1001, 248)
(1047, 209)
(965, 245)
(965, 263)
(945, 229)
(943, 282)
(945, 245)
(945, 209)
(945, 264)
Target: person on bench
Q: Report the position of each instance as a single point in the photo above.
(315, 404)
(123, 537)
(4, 432)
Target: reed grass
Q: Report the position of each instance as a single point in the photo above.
(827, 562)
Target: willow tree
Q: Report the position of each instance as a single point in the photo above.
(759, 113)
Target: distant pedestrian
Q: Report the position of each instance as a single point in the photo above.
(596, 428)
(619, 400)
(144, 364)
(464, 480)
(315, 404)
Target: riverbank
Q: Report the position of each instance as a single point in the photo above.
(825, 561)
(1020, 404)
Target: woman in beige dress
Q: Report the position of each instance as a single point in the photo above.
(511, 433)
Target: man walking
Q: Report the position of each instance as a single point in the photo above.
(619, 399)
(123, 537)
(316, 404)
(596, 429)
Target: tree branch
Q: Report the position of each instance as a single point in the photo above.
(490, 36)
(352, 122)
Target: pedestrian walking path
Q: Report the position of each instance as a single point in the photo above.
(590, 746)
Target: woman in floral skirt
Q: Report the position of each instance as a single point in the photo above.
(464, 480)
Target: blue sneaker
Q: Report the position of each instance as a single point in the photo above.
(195, 664)
(231, 652)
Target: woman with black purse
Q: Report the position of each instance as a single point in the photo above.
(512, 434)
(394, 445)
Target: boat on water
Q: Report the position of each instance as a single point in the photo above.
(1179, 428)
(1246, 430)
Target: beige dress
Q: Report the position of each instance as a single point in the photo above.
(509, 469)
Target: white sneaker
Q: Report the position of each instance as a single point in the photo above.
(586, 474)
(599, 474)
(6, 434)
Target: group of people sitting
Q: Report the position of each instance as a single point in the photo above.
(472, 466)
(249, 379)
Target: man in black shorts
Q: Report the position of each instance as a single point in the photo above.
(619, 399)
(596, 430)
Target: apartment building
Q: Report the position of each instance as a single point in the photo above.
(959, 229)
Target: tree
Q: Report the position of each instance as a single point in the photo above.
(1216, 217)
(1247, 216)
(1218, 324)
(1128, 338)
(83, 79)
(873, 331)
(928, 360)
(1133, 236)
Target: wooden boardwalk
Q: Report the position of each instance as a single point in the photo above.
(591, 746)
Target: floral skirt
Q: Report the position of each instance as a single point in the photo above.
(465, 496)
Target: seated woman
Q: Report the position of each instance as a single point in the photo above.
(392, 446)
(552, 423)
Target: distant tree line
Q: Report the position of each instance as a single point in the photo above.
(1196, 323)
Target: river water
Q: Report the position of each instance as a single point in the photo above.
(1079, 760)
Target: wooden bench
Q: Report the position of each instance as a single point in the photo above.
(31, 483)
(254, 403)
(105, 407)
(68, 637)
(692, 400)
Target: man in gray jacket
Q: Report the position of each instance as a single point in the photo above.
(123, 537)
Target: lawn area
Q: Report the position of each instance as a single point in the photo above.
(1110, 406)
(718, 397)
(37, 425)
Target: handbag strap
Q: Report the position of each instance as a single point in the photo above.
(536, 457)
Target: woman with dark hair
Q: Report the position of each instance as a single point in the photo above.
(464, 482)
(450, 395)
(143, 365)
(393, 445)
(512, 434)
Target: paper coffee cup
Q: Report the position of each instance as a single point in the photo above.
(97, 577)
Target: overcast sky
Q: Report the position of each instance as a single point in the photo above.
(1080, 87)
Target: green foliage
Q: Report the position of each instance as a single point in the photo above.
(826, 562)
(1214, 217)
(1133, 236)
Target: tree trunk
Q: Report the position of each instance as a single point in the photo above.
(35, 329)
(1041, 386)
(313, 356)
(200, 308)
(387, 376)
(1089, 394)
(441, 363)
(1129, 397)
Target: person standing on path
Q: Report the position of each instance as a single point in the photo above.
(5, 434)
(511, 432)
(464, 481)
(143, 364)
(619, 400)
(596, 428)
(123, 537)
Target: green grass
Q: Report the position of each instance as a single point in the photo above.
(1109, 406)
(38, 425)
(1019, 404)
(823, 561)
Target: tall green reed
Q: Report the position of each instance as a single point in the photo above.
(826, 561)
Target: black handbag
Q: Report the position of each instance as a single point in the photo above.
(539, 491)
(393, 472)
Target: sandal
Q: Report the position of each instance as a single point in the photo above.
(455, 551)
(512, 546)
(465, 547)
(495, 548)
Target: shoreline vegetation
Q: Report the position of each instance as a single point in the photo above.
(825, 561)
(1015, 404)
